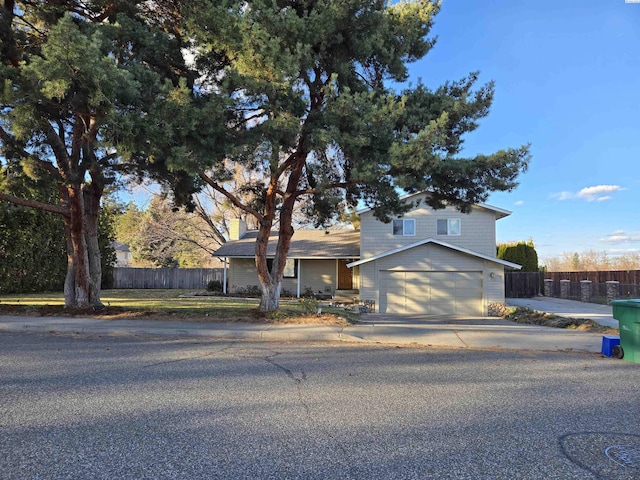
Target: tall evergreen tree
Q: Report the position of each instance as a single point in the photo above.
(521, 253)
(302, 90)
(81, 82)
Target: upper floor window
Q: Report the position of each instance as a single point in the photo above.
(404, 227)
(448, 226)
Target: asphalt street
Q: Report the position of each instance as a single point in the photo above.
(141, 407)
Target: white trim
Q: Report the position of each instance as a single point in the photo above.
(442, 244)
(299, 277)
(224, 277)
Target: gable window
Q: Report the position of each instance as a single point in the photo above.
(290, 267)
(448, 226)
(404, 227)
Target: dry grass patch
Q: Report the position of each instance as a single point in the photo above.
(532, 317)
(172, 305)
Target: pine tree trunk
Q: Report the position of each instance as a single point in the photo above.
(92, 195)
(78, 253)
(69, 281)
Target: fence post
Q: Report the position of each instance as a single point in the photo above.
(548, 287)
(565, 285)
(585, 291)
(613, 291)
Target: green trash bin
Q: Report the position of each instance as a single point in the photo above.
(627, 312)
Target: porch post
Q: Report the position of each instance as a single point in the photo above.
(299, 277)
(224, 277)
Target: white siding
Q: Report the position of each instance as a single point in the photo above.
(433, 258)
(242, 273)
(494, 285)
(368, 282)
(319, 276)
(478, 231)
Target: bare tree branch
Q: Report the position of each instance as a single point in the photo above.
(232, 198)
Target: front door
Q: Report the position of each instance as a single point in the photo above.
(345, 276)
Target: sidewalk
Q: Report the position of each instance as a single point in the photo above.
(481, 333)
(603, 314)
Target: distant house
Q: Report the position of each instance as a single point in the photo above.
(425, 262)
(123, 254)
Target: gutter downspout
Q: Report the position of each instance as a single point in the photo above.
(299, 277)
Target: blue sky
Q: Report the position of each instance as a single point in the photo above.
(566, 74)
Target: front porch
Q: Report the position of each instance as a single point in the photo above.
(322, 278)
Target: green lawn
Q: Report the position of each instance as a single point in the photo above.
(165, 304)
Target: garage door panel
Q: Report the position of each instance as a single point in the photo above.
(415, 309)
(417, 279)
(469, 307)
(417, 286)
(443, 280)
(464, 283)
(441, 294)
(468, 293)
(441, 308)
(413, 291)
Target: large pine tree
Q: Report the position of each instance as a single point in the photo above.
(81, 85)
(303, 90)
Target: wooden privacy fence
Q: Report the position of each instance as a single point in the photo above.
(530, 284)
(523, 284)
(187, 278)
(628, 277)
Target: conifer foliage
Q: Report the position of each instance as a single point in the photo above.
(521, 253)
(80, 86)
(303, 90)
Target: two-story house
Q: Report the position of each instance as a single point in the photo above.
(426, 262)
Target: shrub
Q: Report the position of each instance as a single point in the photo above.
(310, 305)
(214, 286)
(285, 292)
(250, 291)
(522, 253)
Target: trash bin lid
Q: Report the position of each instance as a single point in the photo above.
(632, 302)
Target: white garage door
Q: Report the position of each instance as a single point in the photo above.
(431, 293)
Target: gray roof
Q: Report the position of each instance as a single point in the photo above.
(120, 247)
(304, 244)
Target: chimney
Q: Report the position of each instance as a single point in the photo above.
(237, 229)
